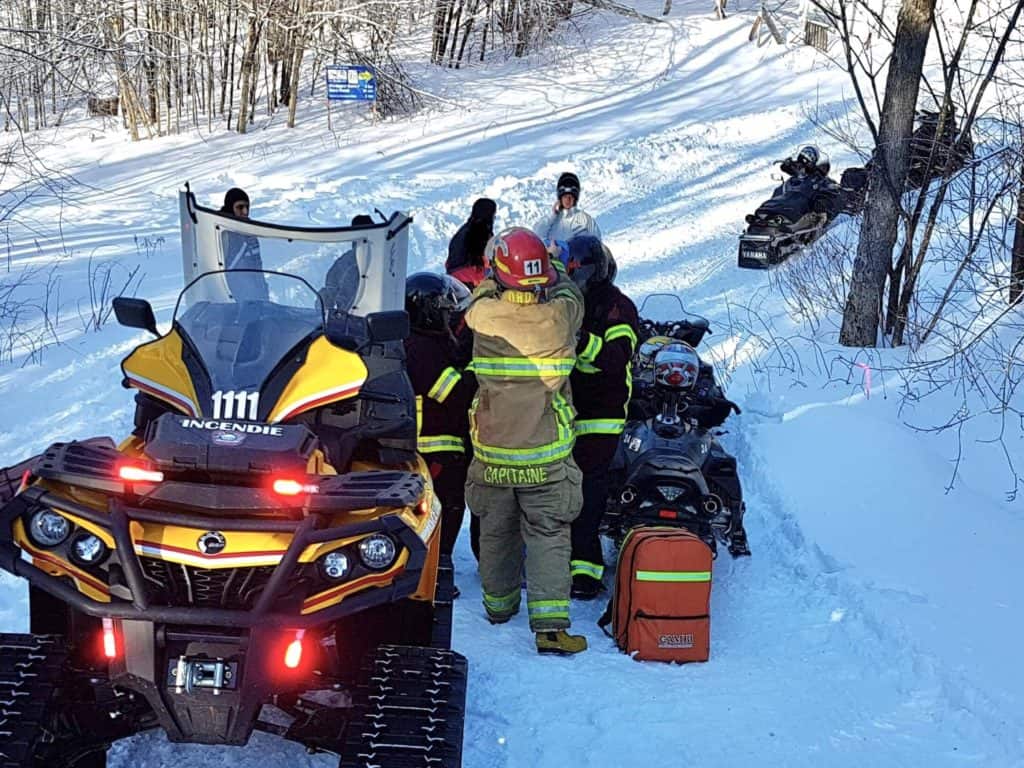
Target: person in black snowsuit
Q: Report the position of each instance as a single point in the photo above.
(241, 252)
(341, 285)
(466, 249)
(443, 390)
(600, 392)
(820, 193)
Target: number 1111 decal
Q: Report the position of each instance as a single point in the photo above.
(236, 405)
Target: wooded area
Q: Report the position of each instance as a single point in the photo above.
(196, 63)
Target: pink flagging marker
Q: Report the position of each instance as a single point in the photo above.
(865, 378)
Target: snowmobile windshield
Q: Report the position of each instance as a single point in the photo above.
(242, 323)
(667, 307)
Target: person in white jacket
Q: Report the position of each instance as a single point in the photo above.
(566, 219)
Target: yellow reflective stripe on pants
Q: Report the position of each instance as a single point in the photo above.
(502, 603)
(600, 426)
(535, 367)
(444, 385)
(548, 609)
(586, 568)
(621, 331)
(677, 576)
(440, 444)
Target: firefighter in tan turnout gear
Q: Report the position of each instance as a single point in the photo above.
(523, 483)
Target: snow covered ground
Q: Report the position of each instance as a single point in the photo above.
(879, 618)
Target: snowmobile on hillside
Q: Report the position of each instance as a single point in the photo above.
(262, 551)
(798, 212)
(929, 154)
(670, 468)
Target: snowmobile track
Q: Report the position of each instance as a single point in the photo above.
(409, 711)
(30, 670)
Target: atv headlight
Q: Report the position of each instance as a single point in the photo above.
(377, 551)
(335, 565)
(48, 529)
(87, 549)
(670, 492)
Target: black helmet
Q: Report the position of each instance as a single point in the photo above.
(569, 184)
(808, 157)
(813, 160)
(430, 299)
(589, 261)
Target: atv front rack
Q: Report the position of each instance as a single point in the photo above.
(118, 517)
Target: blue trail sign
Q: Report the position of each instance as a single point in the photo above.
(350, 83)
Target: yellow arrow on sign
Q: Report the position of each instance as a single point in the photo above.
(365, 76)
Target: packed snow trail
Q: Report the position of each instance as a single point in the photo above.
(672, 129)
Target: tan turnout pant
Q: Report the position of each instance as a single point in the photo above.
(539, 516)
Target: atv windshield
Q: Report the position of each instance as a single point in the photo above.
(243, 323)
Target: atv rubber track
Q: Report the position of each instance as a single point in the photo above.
(409, 710)
(30, 671)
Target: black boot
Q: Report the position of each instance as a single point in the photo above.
(585, 587)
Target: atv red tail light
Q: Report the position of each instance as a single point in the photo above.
(668, 514)
(134, 474)
(293, 654)
(109, 639)
(288, 487)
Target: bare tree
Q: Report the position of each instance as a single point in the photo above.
(881, 216)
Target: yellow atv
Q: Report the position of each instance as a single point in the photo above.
(262, 552)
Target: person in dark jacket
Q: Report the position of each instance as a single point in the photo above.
(443, 392)
(600, 391)
(341, 285)
(241, 252)
(466, 261)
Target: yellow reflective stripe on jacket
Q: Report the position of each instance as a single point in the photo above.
(621, 331)
(532, 367)
(600, 426)
(440, 444)
(444, 385)
(585, 360)
(557, 449)
(434, 443)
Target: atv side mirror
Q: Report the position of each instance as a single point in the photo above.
(346, 331)
(135, 313)
(388, 326)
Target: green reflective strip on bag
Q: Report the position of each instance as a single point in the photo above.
(621, 331)
(600, 426)
(685, 576)
(586, 568)
(548, 609)
(503, 603)
(535, 367)
(440, 444)
(444, 385)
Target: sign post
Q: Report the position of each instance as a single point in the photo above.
(350, 82)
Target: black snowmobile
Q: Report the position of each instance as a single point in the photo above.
(798, 212)
(670, 468)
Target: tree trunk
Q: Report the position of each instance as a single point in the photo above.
(299, 42)
(885, 185)
(245, 76)
(1017, 257)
